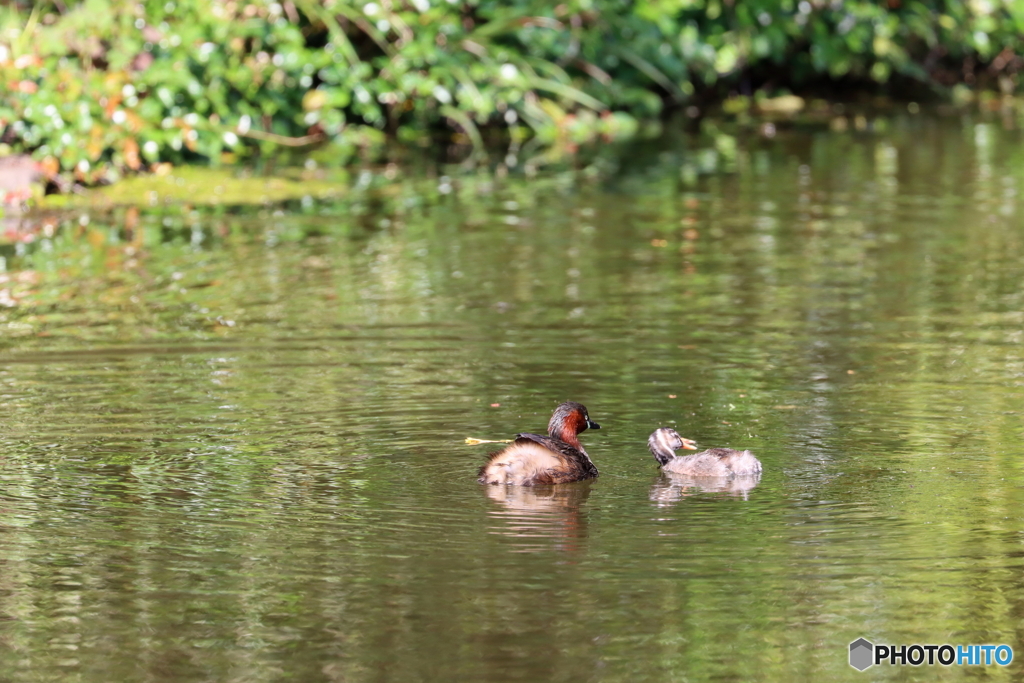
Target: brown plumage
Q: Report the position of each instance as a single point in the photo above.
(557, 458)
(714, 462)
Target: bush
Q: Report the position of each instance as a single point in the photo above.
(100, 87)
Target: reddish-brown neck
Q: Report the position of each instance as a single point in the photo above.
(565, 428)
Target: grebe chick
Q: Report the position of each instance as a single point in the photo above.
(714, 462)
(557, 458)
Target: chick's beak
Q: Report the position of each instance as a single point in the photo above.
(689, 444)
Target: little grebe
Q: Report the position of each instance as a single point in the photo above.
(557, 458)
(714, 462)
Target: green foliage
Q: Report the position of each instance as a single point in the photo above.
(102, 86)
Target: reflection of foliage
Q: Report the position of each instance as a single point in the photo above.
(104, 85)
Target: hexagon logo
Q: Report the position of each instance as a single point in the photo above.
(861, 652)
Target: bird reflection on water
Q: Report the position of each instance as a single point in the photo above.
(537, 515)
(669, 489)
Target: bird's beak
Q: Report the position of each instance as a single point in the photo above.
(592, 425)
(689, 445)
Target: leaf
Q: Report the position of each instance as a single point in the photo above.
(131, 154)
(567, 91)
(651, 71)
(496, 27)
(338, 36)
(461, 118)
(359, 20)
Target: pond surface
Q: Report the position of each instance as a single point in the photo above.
(232, 444)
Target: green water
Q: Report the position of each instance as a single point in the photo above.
(232, 443)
